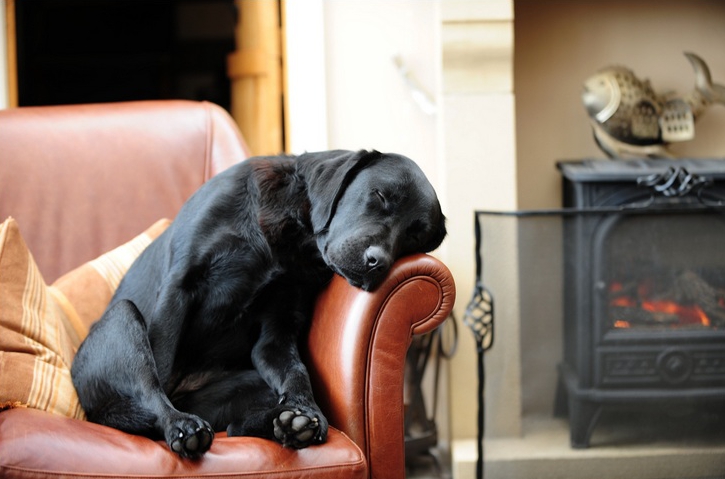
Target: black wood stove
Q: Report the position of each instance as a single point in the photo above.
(644, 287)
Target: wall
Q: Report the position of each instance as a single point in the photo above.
(479, 154)
(306, 86)
(559, 43)
(369, 104)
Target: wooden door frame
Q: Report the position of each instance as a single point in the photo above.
(11, 54)
(255, 71)
(295, 115)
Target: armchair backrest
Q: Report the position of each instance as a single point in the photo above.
(83, 179)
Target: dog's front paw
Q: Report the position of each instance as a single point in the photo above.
(189, 436)
(298, 429)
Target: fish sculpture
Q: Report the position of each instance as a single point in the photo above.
(630, 119)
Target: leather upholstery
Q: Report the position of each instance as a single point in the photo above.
(84, 179)
(358, 374)
(35, 444)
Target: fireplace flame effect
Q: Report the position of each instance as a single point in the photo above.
(685, 314)
(692, 302)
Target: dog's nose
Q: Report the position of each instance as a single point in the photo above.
(376, 258)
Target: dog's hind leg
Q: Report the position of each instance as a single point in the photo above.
(296, 420)
(115, 375)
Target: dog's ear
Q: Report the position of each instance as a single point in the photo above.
(327, 175)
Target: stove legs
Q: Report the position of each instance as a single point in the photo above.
(583, 416)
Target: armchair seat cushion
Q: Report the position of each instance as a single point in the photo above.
(38, 444)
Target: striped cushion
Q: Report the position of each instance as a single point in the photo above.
(42, 326)
(89, 288)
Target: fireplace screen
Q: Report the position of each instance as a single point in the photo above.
(626, 284)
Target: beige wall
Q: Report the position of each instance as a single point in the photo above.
(369, 104)
(306, 100)
(559, 43)
(479, 152)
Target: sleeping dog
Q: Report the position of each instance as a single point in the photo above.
(201, 335)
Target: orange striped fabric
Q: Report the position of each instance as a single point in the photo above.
(89, 288)
(42, 326)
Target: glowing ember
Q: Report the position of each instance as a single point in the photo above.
(642, 305)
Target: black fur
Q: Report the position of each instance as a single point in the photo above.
(202, 333)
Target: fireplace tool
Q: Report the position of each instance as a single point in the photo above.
(421, 431)
(479, 318)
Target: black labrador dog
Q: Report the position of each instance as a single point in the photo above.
(202, 333)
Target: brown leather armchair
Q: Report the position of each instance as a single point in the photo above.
(82, 179)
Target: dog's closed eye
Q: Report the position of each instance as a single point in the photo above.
(381, 198)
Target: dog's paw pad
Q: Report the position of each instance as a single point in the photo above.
(294, 429)
(190, 437)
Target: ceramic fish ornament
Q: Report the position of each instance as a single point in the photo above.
(631, 120)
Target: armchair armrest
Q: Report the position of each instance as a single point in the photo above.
(357, 348)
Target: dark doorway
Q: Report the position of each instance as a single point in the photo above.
(85, 51)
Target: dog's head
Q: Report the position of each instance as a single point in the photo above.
(369, 209)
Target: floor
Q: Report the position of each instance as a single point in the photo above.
(643, 445)
(436, 465)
